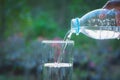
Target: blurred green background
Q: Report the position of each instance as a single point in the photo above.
(24, 23)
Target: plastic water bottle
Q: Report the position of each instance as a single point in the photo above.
(98, 24)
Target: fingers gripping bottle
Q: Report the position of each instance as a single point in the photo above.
(98, 24)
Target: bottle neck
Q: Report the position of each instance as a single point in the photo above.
(75, 25)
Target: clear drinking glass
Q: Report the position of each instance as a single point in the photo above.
(58, 59)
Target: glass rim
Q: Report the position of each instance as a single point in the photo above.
(58, 41)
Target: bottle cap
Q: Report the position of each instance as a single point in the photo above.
(75, 26)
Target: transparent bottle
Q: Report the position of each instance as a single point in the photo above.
(101, 23)
(97, 24)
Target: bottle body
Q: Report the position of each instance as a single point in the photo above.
(97, 24)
